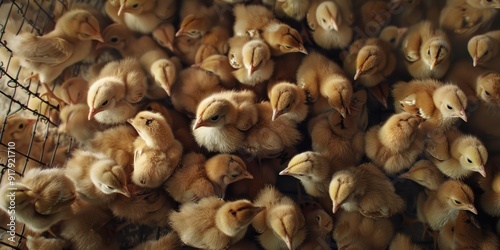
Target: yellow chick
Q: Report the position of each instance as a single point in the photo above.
(222, 119)
(427, 51)
(113, 96)
(219, 65)
(366, 189)
(98, 179)
(69, 43)
(403, 241)
(205, 177)
(215, 42)
(223, 223)
(488, 89)
(294, 9)
(281, 225)
(74, 122)
(116, 143)
(320, 77)
(43, 197)
(395, 145)
(250, 18)
(426, 174)
(393, 35)
(283, 39)
(235, 54)
(257, 63)
(156, 152)
(484, 50)
(330, 23)
(288, 100)
(443, 205)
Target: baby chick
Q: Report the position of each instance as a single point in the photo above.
(294, 9)
(320, 77)
(281, 225)
(283, 39)
(319, 224)
(484, 50)
(170, 241)
(219, 66)
(396, 144)
(185, 48)
(393, 35)
(366, 189)
(41, 242)
(330, 23)
(250, 18)
(443, 205)
(74, 122)
(491, 186)
(467, 233)
(98, 179)
(205, 178)
(156, 152)
(257, 63)
(116, 143)
(222, 118)
(43, 198)
(426, 50)
(288, 100)
(215, 42)
(403, 241)
(164, 35)
(439, 104)
(223, 223)
(425, 173)
(113, 96)
(69, 43)
(73, 91)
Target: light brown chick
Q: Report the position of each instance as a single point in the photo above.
(170, 241)
(116, 143)
(98, 179)
(73, 91)
(393, 35)
(426, 174)
(427, 51)
(488, 89)
(222, 119)
(281, 224)
(257, 63)
(395, 145)
(185, 48)
(294, 9)
(403, 241)
(223, 223)
(484, 50)
(74, 122)
(288, 100)
(164, 35)
(40, 242)
(491, 196)
(250, 18)
(215, 42)
(219, 65)
(319, 225)
(443, 205)
(194, 26)
(205, 177)
(320, 77)
(282, 39)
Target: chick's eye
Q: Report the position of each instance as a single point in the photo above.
(234, 175)
(429, 52)
(323, 20)
(469, 160)
(449, 107)
(457, 202)
(393, 40)
(318, 218)
(193, 32)
(104, 103)
(135, 6)
(287, 47)
(110, 187)
(114, 40)
(486, 53)
(487, 93)
(214, 118)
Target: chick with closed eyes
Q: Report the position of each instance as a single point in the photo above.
(223, 223)
(156, 151)
(425, 173)
(484, 48)
(257, 63)
(215, 42)
(282, 39)
(395, 145)
(288, 100)
(294, 9)
(113, 96)
(219, 65)
(205, 177)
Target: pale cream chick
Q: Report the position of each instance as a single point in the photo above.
(365, 189)
(199, 177)
(156, 151)
(222, 119)
(281, 225)
(288, 100)
(426, 174)
(98, 179)
(113, 96)
(484, 49)
(223, 223)
(320, 77)
(283, 39)
(257, 63)
(116, 143)
(395, 145)
(70, 42)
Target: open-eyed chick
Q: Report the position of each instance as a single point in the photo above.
(223, 223)
(393, 35)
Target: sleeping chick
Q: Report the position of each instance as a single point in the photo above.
(223, 223)
(330, 23)
(281, 225)
(488, 89)
(222, 118)
(395, 145)
(114, 95)
(219, 65)
(443, 205)
(426, 174)
(288, 100)
(282, 39)
(257, 63)
(69, 43)
(43, 197)
(484, 50)
(116, 143)
(156, 152)
(439, 104)
(320, 77)
(164, 35)
(366, 189)
(250, 18)
(427, 51)
(185, 48)
(203, 177)
(98, 179)
(295, 9)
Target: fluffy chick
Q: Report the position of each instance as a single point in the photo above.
(156, 152)
(427, 51)
(491, 196)
(403, 241)
(323, 78)
(116, 143)
(469, 234)
(170, 241)
(425, 173)
(215, 42)
(393, 35)
(74, 122)
(294, 9)
(366, 189)
(319, 225)
(250, 18)
(41, 242)
(288, 100)
(199, 177)
(484, 50)
(281, 224)
(113, 96)
(98, 179)
(257, 63)
(443, 205)
(219, 65)
(283, 39)
(223, 223)
(396, 144)
(222, 118)
(69, 43)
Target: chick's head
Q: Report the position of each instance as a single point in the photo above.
(371, 59)
(255, 53)
(132, 6)
(457, 195)
(233, 217)
(344, 127)
(16, 128)
(226, 169)
(104, 94)
(286, 221)
(149, 124)
(214, 112)
(435, 51)
(341, 187)
(482, 48)
(451, 101)
(109, 178)
(307, 166)
(472, 153)
(80, 24)
(115, 36)
(284, 97)
(425, 173)
(193, 26)
(488, 88)
(320, 221)
(340, 95)
(328, 16)
(286, 38)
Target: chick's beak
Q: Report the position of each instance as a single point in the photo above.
(334, 24)
(482, 171)
(251, 70)
(358, 74)
(463, 116)
(303, 49)
(472, 209)
(276, 114)
(98, 37)
(122, 7)
(335, 206)
(92, 113)
(404, 175)
(180, 33)
(247, 175)
(475, 60)
(284, 172)
(198, 123)
(125, 192)
(434, 64)
(288, 242)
